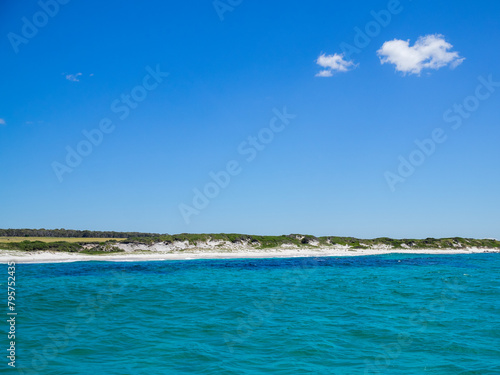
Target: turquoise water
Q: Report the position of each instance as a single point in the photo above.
(389, 314)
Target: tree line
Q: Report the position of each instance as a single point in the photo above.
(71, 233)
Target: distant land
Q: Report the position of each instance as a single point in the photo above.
(102, 242)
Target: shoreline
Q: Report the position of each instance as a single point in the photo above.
(136, 256)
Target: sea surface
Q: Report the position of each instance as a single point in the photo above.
(387, 314)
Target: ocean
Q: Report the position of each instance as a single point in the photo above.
(387, 314)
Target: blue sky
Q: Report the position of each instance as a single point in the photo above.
(331, 170)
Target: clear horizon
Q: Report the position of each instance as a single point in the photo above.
(368, 119)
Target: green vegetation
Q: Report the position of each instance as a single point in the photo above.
(62, 246)
(98, 243)
(42, 246)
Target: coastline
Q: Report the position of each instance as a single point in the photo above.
(139, 256)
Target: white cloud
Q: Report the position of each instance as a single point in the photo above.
(428, 52)
(325, 73)
(332, 64)
(73, 77)
(2, 121)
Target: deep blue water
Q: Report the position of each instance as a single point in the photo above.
(389, 314)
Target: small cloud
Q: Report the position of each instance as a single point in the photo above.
(91, 74)
(324, 73)
(29, 122)
(2, 122)
(333, 64)
(73, 77)
(428, 52)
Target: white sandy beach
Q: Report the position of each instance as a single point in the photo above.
(141, 255)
